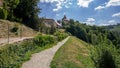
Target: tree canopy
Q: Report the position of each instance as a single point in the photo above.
(25, 11)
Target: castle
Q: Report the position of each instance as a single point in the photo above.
(65, 20)
(51, 22)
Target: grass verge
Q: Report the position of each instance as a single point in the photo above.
(73, 54)
(13, 55)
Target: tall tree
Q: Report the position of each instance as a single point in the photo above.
(28, 11)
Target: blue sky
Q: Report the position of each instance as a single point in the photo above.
(92, 12)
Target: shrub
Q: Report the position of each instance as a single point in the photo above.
(11, 56)
(105, 56)
(42, 40)
(60, 36)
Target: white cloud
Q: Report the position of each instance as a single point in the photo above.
(106, 23)
(112, 22)
(58, 5)
(70, 3)
(99, 7)
(116, 15)
(109, 4)
(113, 3)
(48, 1)
(84, 3)
(90, 21)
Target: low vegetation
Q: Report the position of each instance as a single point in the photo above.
(13, 55)
(60, 35)
(73, 54)
(105, 41)
(44, 40)
(77, 54)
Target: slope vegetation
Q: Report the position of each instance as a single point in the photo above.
(73, 54)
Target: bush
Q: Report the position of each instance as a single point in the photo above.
(42, 40)
(105, 56)
(60, 36)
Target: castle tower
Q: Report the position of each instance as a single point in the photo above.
(64, 18)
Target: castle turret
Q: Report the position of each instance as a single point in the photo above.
(64, 18)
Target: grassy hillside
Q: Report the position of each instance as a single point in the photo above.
(73, 54)
(14, 29)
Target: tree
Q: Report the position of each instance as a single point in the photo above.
(52, 29)
(28, 11)
(72, 21)
(41, 24)
(3, 11)
(10, 5)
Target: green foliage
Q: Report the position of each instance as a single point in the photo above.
(105, 56)
(13, 55)
(9, 6)
(52, 30)
(3, 13)
(25, 11)
(60, 36)
(76, 30)
(28, 11)
(105, 41)
(63, 23)
(42, 40)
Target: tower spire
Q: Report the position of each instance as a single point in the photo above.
(64, 18)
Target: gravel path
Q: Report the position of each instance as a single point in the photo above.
(4, 41)
(43, 59)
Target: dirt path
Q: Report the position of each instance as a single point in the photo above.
(43, 59)
(4, 41)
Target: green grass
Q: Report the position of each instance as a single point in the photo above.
(73, 54)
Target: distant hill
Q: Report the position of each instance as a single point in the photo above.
(113, 27)
(14, 29)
